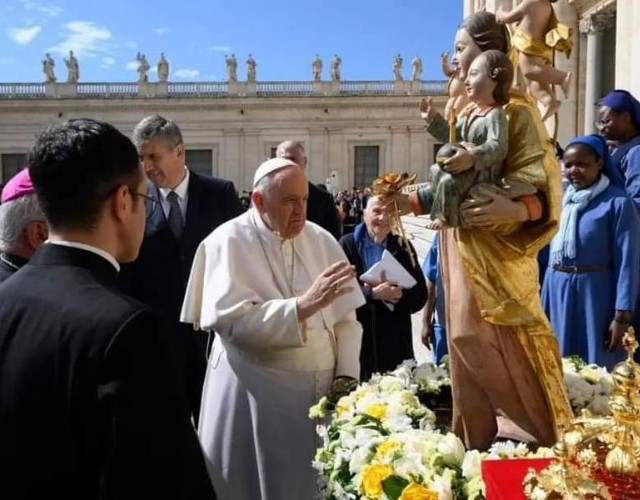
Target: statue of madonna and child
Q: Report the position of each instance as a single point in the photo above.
(506, 370)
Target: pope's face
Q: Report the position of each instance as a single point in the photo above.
(465, 51)
(283, 205)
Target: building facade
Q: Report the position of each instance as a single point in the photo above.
(605, 54)
(352, 131)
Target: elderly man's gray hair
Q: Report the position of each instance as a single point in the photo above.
(156, 127)
(289, 145)
(15, 216)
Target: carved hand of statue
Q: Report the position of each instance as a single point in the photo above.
(325, 289)
(501, 210)
(444, 57)
(427, 110)
(501, 14)
(462, 161)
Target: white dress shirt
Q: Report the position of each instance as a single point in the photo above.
(182, 190)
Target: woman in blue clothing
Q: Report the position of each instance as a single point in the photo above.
(591, 285)
(433, 332)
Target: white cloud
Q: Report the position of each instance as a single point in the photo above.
(131, 66)
(23, 36)
(107, 62)
(85, 38)
(48, 9)
(186, 74)
(161, 31)
(220, 48)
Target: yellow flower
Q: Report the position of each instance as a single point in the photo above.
(376, 410)
(417, 492)
(372, 478)
(386, 448)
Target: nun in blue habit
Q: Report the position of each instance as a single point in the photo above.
(591, 285)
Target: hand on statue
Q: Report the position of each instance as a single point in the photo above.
(387, 291)
(326, 288)
(501, 210)
(402, 202)
(501, 14)
(613, 338)
(462, 161)
(427, 110)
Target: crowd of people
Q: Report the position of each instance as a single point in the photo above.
(157, 340)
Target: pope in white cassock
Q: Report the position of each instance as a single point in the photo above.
(281, 296)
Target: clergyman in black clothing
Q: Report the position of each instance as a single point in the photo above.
(91, 400)
(321, 208)
(22, 224)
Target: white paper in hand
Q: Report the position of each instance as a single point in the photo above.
(393, 270)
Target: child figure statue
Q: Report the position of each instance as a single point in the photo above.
(467, 173)
(455, 89)
(534, 40)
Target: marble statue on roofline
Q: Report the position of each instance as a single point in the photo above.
(143, 68)
(48, 66)
(163, 68)
(335, 68)
(251, 69)
(232, 67)
(316, 66)
(73, 68)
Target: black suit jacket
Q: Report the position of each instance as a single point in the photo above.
(321, 209)
(91, 401)
(160, 274)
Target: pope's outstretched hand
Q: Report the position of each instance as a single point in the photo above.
(326, 288)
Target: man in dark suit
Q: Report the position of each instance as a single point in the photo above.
(91, 400)
(321, 208)
(191, 206)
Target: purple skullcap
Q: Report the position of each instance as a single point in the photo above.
(19, 185)
(621, 101)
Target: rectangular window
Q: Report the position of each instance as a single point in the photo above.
(272, 151)
(366, 162)
(12, 163)
(200, 161)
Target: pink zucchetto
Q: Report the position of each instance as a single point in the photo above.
(270, 166)
(18, 186)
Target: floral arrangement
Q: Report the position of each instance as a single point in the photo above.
(381, 442)
(588, 386)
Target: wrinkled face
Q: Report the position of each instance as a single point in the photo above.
(163, 164)
(612, 125)
(283, 205)
(295, 155)
(465, 51)
(478, 84)
(581, 166)
(376, 218)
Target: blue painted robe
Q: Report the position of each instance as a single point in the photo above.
(582, 305)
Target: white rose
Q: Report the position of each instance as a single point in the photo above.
(451, 449)
(471, 464)
(442, 486)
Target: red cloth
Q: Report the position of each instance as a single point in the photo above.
(503, 478)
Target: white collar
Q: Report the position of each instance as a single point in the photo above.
(181, 189)
(88, 248)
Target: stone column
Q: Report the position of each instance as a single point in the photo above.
(594, 27)
(627, 43)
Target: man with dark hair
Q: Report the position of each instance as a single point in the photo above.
(191, 206)
(321, 208)
(92, 404)
(22, 224)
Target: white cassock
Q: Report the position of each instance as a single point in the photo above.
(266, 368)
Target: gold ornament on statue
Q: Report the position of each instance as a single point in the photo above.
(606, 448)
(386, 186)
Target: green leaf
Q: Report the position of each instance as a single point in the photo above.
(393, 486)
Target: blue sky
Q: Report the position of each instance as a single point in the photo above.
(282, 36)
